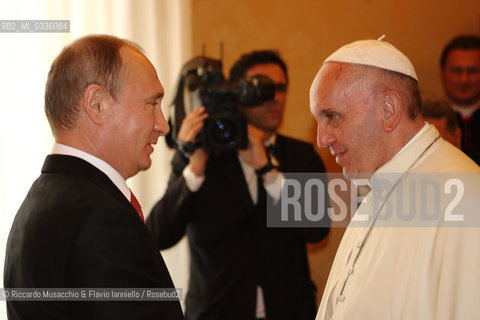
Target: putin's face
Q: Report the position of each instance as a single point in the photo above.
(136, 120)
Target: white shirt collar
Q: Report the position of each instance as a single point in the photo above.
(271, 140)
(466, 111)
(101, 165)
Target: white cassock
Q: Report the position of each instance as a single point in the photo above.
(412, 266)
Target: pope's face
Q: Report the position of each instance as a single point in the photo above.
(461, 76)
(349, 120)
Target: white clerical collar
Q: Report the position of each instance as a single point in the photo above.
(415, 137)
(101, 165)
(405, 161)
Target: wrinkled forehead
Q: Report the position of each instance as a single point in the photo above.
(333, 75)
(338, 82)
(327, 83)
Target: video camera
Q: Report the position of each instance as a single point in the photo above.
(202, 83)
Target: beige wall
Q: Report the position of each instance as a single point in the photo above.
(307, 31)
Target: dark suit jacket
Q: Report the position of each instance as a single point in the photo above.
(75, 229)
(232, 252)
(471, 136)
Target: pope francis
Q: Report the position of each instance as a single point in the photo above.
(412, 249)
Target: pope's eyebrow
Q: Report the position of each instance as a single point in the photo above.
(326, 112)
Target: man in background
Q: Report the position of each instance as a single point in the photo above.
(460, 70)
(240, 269)
(80, 226)
(441, 115)
(395, 261)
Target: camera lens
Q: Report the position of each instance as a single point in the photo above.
(224, 132)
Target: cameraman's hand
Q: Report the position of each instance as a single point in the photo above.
(255, 155)
(191, 126)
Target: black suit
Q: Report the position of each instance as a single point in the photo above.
(75, 229)
(471, 135)
(232, 252)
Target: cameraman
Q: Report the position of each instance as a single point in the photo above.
(239, 268)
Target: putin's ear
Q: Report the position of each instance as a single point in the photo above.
(392, 110)
(93, 99)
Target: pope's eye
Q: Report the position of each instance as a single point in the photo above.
(331, 116)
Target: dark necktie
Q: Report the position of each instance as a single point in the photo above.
(136, 205)
(262, 193)
(467, 134)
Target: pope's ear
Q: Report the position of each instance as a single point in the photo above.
(392, 109)
(93, 102)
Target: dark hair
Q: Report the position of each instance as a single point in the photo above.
(440, 109)
(253, 58)
(463, 42)
(93, 59)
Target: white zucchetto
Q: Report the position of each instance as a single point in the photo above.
(376, 53)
